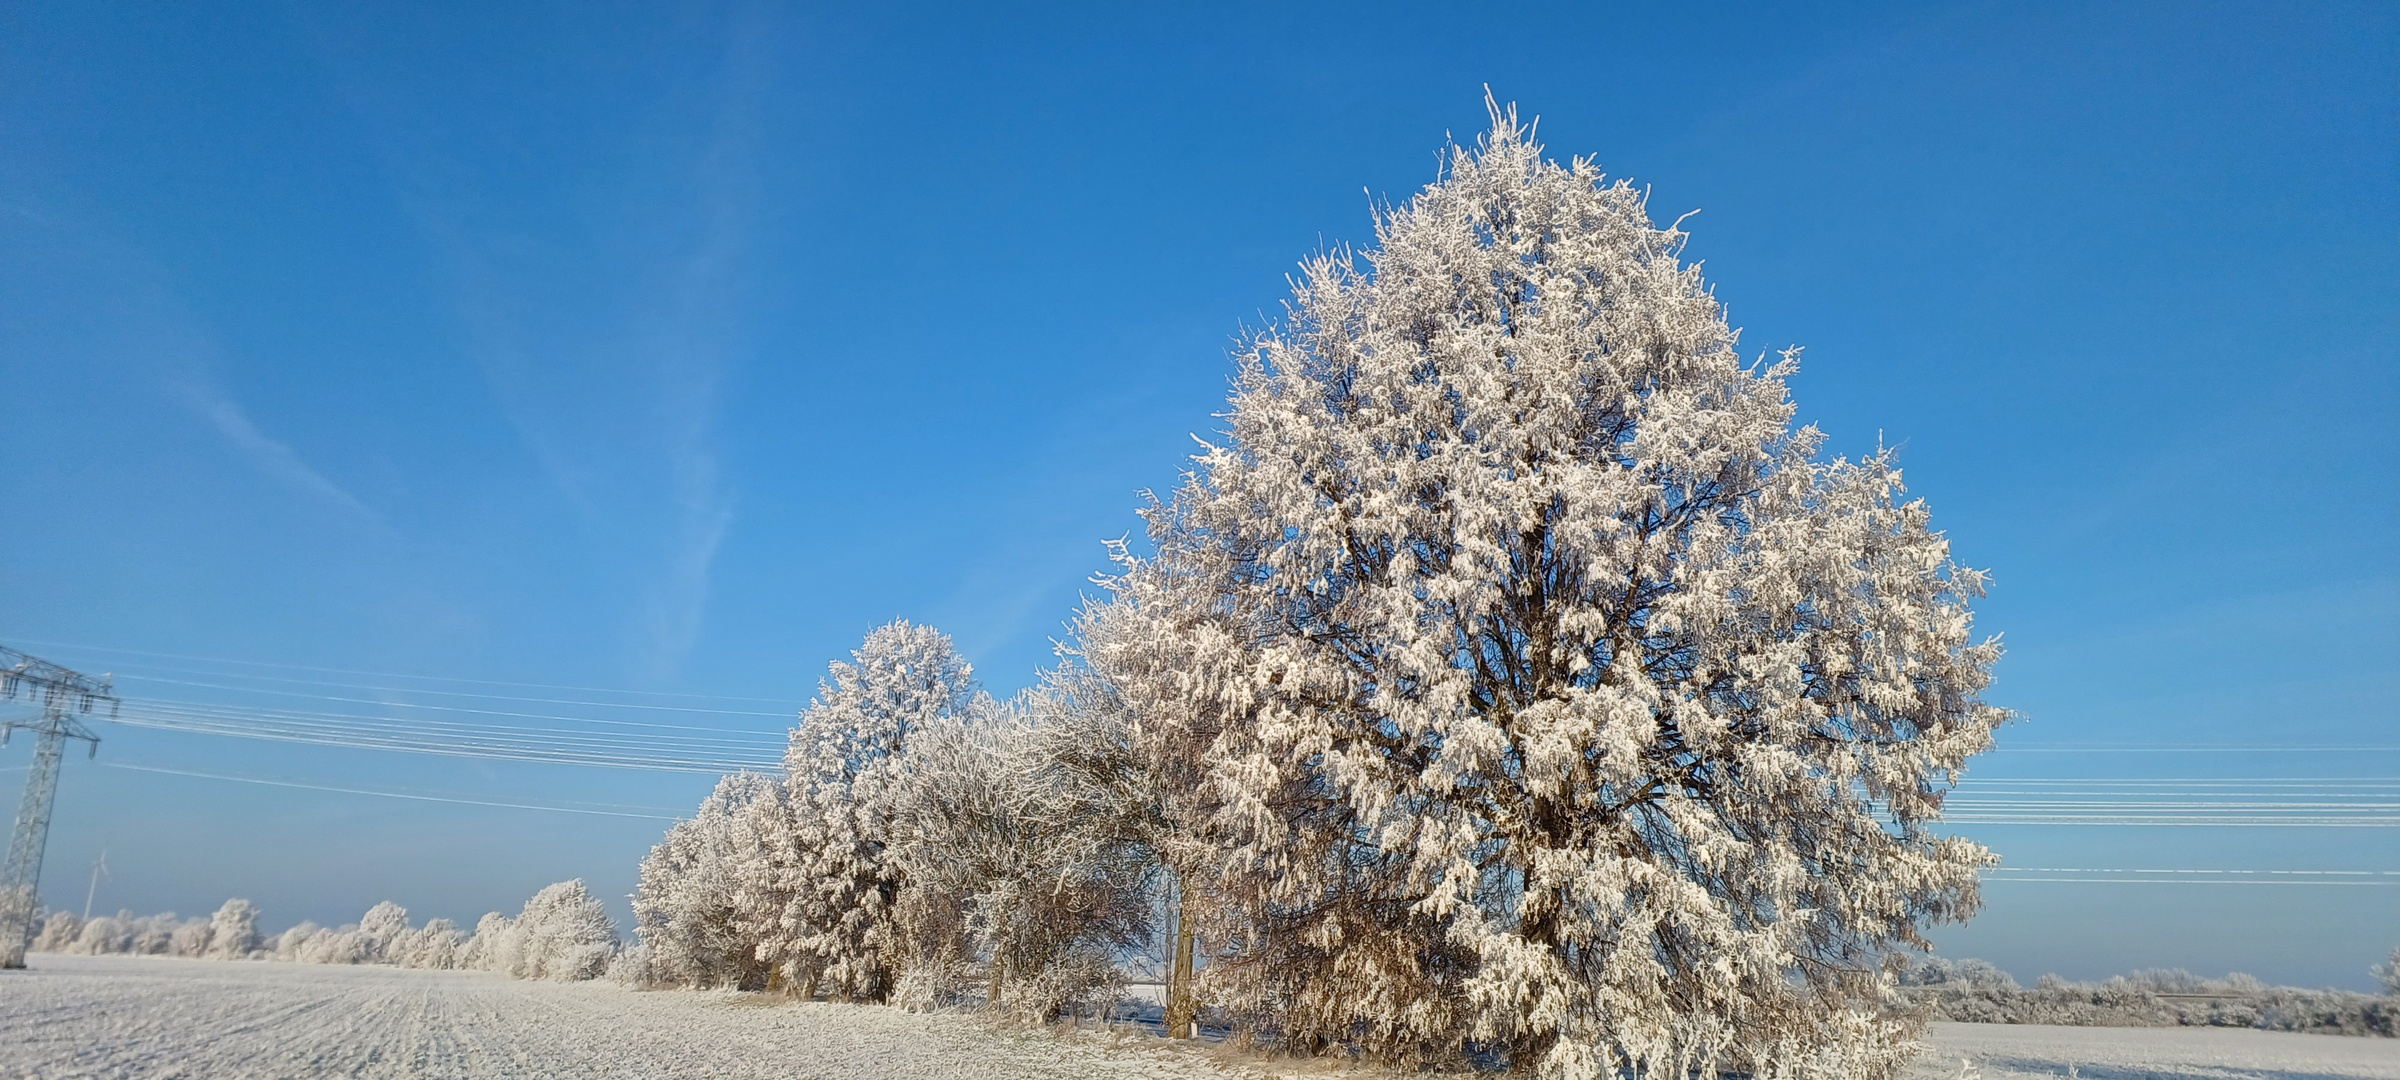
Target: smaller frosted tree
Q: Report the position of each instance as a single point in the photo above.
(58, 933)
(343, 946)
(567, 934)
(191, 940)
(498, 945)
(438, 946)
(106, 934)
(155, 935)
(2388, 973)
(235, 930)
(708, 906)
(382, 929)
(293, 942)
(1009, 852)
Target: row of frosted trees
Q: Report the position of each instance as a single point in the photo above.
(925, 844)
(563, 933)
(1513, 681)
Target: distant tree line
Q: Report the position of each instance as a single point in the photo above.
(1974, 991)
(562, 934)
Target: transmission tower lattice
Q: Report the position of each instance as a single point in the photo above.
(61, 694)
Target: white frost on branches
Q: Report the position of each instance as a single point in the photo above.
(1515, 682)
(707, 899)
(1567, 706)
(567, 936)
(928, 845)
(845, 770)
(233, 930)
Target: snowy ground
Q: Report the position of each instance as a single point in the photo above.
(2006, 1051)
(114, 1016)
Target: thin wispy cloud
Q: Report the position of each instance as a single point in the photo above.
(605, 348)
(691, 337)
(272, 457)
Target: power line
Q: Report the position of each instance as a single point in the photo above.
(387, 794)
(480, 749)
(397, 675)
(705, 734)
(560, 737)
(136, 675)
(456, 708)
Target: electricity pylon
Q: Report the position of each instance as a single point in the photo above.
(62, 693)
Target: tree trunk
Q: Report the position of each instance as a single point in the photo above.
(1181, 1008)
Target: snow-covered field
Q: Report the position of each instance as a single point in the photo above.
(115, 1016)
(2005, 1051)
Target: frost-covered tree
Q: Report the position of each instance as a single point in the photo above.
(235, 930)
(1970, 973)
(439, 945)
(2388, 973)
(191, 939)
(345, 945)
(922, 831)
(382, 928)
(709, 897)
(1015, 854)
(498, 945)
(631, 967)
(292, 942)
(567, 935)
(101, 936)
(58, 933)
(1160, 651)
(842, 765)
(1574, 708)
(155, 935)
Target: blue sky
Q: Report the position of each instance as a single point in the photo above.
(665, 351)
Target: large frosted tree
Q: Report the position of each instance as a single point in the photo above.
(1562, 700)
